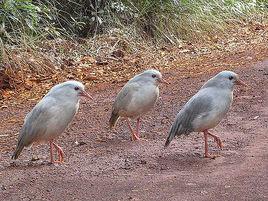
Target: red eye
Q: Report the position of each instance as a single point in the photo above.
(153, 75)
(76, 88)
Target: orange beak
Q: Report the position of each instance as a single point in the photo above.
(239, 82)
(85, 94)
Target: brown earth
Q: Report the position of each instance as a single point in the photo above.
(106, 165)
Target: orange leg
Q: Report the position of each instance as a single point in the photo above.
(134, 136)
(216, 139)
(60, 153)
(206, 145)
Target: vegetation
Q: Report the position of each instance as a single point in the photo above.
(171, 20)
(35, 34)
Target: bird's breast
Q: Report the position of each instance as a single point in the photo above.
(59, 122)
(142, 101)
(211, 118)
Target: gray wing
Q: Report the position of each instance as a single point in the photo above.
(35, 123)
(124, 96)
(199, 105)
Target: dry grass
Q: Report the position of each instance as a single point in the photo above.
(110, 58)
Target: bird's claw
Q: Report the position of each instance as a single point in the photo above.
(59, 161)
(211, 156)
(135, 138)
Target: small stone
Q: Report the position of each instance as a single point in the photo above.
(79, 143)
(3, 187)
(35, 158)
(143, 162)
(203, 192)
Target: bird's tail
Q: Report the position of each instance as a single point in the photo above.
(19, 148)
(17, 152)
(176, 129)
(113, 119)
(171, 135)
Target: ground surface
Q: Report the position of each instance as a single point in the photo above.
(108, 166)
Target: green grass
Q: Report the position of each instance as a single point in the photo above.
(168, 20)
(185, 19)
(33, 32)
(165, 20)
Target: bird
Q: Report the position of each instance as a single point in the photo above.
(206, 109)
(137, 97)
(50, 117)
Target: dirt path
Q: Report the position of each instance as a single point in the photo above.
(108, 166)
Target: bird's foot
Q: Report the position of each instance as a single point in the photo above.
(135, 137)
(211, 156)
(58, 162)
(60, 153)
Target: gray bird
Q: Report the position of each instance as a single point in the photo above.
(206, 108)
(136, 98)
(49, 118)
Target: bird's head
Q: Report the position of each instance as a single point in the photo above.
(71, 90)
(225, 79)
(153, 76)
